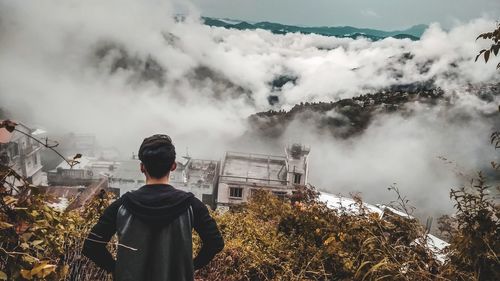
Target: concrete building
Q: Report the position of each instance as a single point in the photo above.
(22, 154)
(84, 144)
(127, 176)
(197, 176)
(297, 166)
(89, 170)
(242, 173)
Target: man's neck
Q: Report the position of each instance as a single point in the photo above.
(164, 180)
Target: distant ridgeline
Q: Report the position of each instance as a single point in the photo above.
(348, 117)
(413, 33)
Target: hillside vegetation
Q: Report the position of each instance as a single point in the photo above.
(351, 116)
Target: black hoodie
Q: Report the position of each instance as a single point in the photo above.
(157, 205)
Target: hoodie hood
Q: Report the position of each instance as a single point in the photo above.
(157, 204)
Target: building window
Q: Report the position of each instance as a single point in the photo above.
(236, 192)
(280, 194)
(296, 178)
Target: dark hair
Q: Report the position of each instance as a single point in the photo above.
(157, 153)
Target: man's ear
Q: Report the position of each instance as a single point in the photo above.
(143, 170)
(174, 166)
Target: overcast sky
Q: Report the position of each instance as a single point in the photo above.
(384, 14)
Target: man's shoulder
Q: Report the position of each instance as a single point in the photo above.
(195, 201)
(180, 191)
(199, 208)
(117, 202)
(111, 211)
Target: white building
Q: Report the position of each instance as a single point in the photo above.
(22, 154)
(87, 171)
(127, 176)
(197, 176)
(192, 175)
(242, 173)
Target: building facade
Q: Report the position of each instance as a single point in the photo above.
(197, 176)
(127, 176)
(22, 154)
(243, 173)
(89, 170)
(214, 184)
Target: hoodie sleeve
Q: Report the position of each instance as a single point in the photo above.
(94, 246)
(211, 238)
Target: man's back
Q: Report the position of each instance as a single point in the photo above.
(154, 227)
(153, 253)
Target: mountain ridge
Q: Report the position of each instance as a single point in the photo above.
(351, 116)
(413, 33)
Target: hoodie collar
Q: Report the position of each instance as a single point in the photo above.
(158, 204)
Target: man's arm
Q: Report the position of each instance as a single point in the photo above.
(211, 238)
(94, 246)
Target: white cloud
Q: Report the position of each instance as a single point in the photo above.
(213, 79)
(370, 13)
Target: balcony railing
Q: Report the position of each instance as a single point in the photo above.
(253, 180)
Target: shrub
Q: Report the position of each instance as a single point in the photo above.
(475, 239)
(272, 239)
(38, 242)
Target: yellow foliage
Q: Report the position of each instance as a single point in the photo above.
(266, 239)
(272, 239)
(39, 242)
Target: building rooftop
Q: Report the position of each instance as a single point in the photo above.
(128, 170)
(38, 132)
(194, 172)
(254, 168)
(99, 168)
(350, 206)
(83, 163)
(201, 171)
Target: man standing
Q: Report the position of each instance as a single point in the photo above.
(154, 225)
